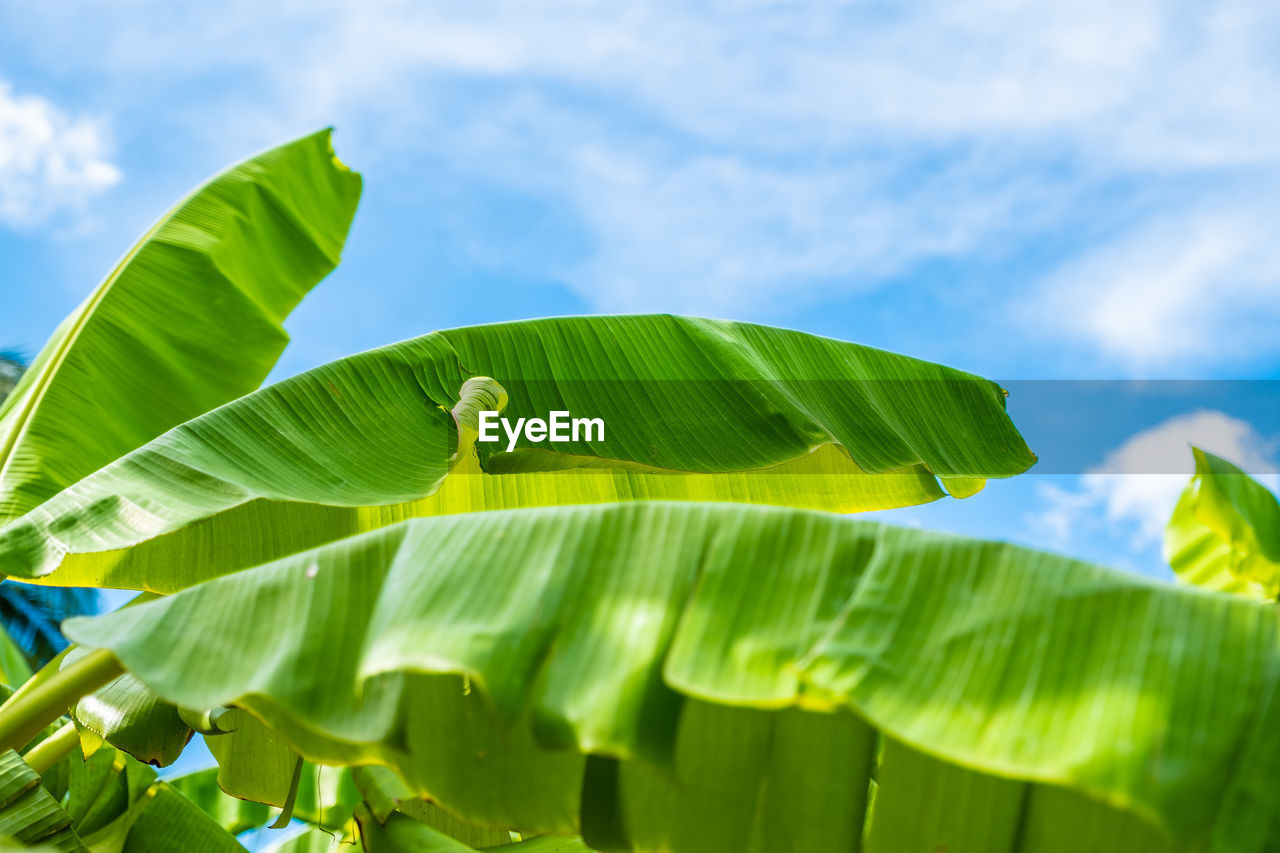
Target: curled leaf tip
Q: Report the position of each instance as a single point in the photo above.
(212, 721)
(478, 394)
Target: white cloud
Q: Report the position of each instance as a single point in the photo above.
(49, 161)
(721, 236)
(1136, 487)
(1194, 286)
(734, 156)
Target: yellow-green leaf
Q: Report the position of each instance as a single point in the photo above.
(1225, 531)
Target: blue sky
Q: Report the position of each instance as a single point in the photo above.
(1028, 191)
(1031, 191)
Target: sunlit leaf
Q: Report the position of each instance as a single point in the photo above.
(1225, 531)
(129, 716)
(681, 676)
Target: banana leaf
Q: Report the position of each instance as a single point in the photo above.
(28, 812)
(694, 410)
(715, 677)
(1225, 531)
(254, 763)
(187, 320)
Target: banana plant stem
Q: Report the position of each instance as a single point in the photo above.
(23, 716)
(42, 675)
(47, 752)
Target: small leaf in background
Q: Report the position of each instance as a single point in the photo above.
(1225, 531)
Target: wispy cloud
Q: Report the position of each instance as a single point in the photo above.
(1196, 285)
(49, 161)
(731, 157)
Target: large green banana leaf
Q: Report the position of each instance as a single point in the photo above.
(715, 677)
(694, 409)
(188, 319)
(1225, 531)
